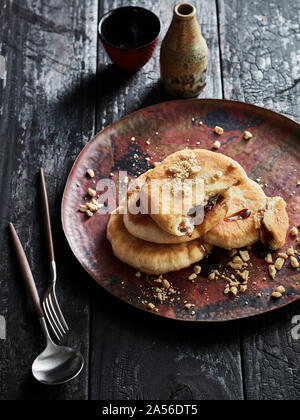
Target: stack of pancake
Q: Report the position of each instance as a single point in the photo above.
(151, 235)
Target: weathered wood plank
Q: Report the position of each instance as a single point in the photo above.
(46, 116)
(260, 53)
(260, 58)
(135, 355)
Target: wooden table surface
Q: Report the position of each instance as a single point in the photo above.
(58, 88)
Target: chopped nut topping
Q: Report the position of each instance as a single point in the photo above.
(243, 288)
(212, 276)
(89, 213)
(272, 271)
(217, 145)
(219, 130)
(245, 256)
(290, 251)
(280, 289)
(294, 231)
(92, 207)
(248, 135)
(276, 295)
(138, 274)
(232, 253)
(83, 208)
(189, 306)
(166, 284)
(245, 276)
(193, 276)
(90, 173)
(92, 192)
(283, 255)
(294, 262)
(269, 259)
(279, 263)
(234, 291)
(197, 269)
(259, 295)
(151, 306)
(235, 266)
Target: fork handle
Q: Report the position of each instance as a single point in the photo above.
(26, 272)
(46, 216)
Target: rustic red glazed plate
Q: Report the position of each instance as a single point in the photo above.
(273, 155)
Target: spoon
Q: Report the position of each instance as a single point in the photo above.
(56, 364)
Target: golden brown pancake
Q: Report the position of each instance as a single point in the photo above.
(216, 172)
(244, 231)
(152, 258)
(274, 223)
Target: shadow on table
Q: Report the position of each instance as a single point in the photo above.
(99, 89)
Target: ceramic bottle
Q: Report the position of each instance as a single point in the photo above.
(183, 56)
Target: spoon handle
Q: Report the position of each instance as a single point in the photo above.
(46, 216)
(26, 272)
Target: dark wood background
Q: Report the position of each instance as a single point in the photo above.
(57, 88)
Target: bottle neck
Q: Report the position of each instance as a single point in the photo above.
(184, 12)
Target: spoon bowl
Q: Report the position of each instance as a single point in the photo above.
(57, 365)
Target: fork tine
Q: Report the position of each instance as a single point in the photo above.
(54, 314)
(58, 310)
(51, 320)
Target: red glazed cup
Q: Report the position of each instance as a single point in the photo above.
(130, 36)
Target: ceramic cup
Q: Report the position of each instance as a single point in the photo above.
(130, 36)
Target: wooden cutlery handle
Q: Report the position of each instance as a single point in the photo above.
(26, 272)
(46, 216)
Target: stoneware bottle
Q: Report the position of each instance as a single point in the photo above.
(183, 56)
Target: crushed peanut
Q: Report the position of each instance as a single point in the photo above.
(89, 213)
(217, 145)
(83, 208)
(243, 288)
(294, 262)
(151, 306)
(92, 207)
(280, 289)
(272, 271)
(189, 306)
(138, 274)
(276, 295)
(192, 277)
(197, 269)
(279, 263)
(294, 231)
(219, 130)
(212, 276)
(166, 284)
(234, 291)
(245, 256)
(290, 252)
(283, 255)
(247, 135)
(92, 192)
(90, 173)
(269, 259)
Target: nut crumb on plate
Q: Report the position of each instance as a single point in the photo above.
(247, 135)
(217, 145)
(219, 130)
(294, 262)
(90, 173)
(272, 271)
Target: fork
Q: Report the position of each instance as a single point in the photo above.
(50, 304)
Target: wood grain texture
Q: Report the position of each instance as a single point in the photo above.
(46, 116)
(261, 53)
(260, 59)
(133, 355)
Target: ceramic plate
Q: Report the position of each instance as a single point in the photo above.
(273, 156)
